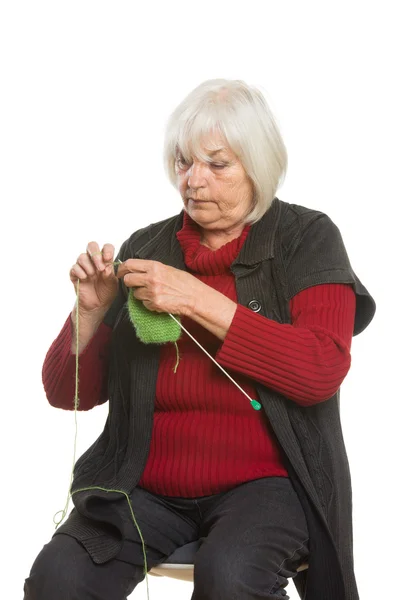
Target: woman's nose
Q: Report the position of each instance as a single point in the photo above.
(196, 177)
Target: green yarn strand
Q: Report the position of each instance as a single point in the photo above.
(70, 494)
(177, 357)
(134, 520)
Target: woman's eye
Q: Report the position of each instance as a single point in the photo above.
(217, 165)
(182, 163)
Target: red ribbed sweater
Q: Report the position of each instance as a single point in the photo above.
(206, 437)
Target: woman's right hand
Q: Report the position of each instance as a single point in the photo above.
(98, 284)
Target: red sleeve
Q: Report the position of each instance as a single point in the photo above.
(58, 373)
(306, 360)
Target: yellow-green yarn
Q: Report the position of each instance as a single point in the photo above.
(134, 520)
(76, 404)
(177, 357)
(70, 494)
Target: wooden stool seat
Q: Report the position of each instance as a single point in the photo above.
(180, 564)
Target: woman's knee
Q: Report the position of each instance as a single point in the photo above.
(218, 575)
(228, 574)
(56, 570)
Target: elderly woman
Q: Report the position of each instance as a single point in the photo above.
(266, 288)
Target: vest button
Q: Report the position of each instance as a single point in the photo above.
(254, 305)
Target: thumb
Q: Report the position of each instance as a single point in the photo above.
(108, 253)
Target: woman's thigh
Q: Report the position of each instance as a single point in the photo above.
(254, 538)
(64, 569)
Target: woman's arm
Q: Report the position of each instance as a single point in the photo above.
(305, 361)
(97, 288)
(88, 326)
(58, 373)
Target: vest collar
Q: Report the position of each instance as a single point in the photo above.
(258, 246)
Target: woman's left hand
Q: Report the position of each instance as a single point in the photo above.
(162, 288)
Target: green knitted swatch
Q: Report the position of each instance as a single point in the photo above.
(152, 327)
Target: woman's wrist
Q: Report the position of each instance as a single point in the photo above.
(214, 311)
(89, 322)
(94, 316)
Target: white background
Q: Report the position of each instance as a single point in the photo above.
(86, 88)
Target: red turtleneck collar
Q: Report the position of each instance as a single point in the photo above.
(200, 259)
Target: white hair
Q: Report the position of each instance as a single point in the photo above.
(240, 113)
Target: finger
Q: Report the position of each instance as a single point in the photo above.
(108, 253)
(119, 271)
(134, 280)
(86, 264)
(93, 248)
(132, 265)
(140, 293)
(95, 255)
(77, 272)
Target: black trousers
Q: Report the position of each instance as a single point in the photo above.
(253, 539)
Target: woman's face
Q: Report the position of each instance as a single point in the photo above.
(217, 195)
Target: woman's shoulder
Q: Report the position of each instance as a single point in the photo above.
(301, 215)
(297, 220)
(314, 253)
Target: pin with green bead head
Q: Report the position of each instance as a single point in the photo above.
(256, 405)
(158, 328)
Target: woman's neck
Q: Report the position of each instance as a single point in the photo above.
(215, 240)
